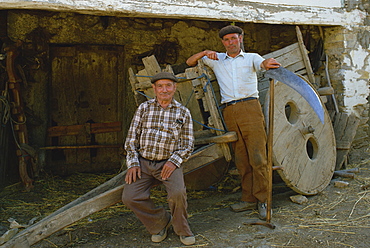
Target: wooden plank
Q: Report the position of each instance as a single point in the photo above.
(224, 138)
(169, 69)
(306, 60)
(185, 95)
(325, 91)
(77, 129)
(289, 58)
(215, 118)
(133, 81)
(51, 225)
(79, 147)
(282, 51)
(298, 68)
(202, 157)
(345, 127)
(151, 65)
(142, 76)
(193, 72)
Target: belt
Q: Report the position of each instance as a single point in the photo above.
(156, 161)
(240, 100)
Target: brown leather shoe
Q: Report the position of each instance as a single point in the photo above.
(243, 206)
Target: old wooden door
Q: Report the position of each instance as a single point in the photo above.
(86, 107)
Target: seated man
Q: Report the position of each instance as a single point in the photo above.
(160, 138)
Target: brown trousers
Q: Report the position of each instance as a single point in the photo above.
(246, 119)
(136, 196)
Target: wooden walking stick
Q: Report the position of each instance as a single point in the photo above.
(269, 157)
(269, 152)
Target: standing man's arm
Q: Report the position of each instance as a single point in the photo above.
(193, 60)
(270, 64)
(131, 147)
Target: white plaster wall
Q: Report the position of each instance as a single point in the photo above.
(356, 80)
(239, 10)
(317, 3)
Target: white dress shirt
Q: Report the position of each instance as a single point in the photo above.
(237, 76)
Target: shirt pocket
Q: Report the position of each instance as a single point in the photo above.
(175, 128)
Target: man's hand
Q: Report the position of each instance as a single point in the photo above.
(133, 174)
(167, 170)
(211, 54)
(193, 60)
(270, 63)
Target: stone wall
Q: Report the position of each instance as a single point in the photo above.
(348, 51)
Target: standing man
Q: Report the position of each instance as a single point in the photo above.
(235, 71)
(159, 140)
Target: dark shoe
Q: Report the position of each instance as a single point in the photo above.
(243, 206)
(162, 234)
(262, 210)
(187, 240)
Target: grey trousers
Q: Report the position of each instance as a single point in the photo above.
(136, 196)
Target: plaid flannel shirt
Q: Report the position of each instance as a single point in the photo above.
(160, 134)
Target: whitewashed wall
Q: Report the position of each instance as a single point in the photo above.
(317, 3)
(275, 11)
(357, 76)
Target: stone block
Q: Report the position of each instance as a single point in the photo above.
(300, 199)
(341, 184)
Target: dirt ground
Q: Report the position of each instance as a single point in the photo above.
(336, 217)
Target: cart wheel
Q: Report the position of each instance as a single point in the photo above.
(302, 145)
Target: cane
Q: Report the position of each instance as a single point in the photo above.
(269, 157)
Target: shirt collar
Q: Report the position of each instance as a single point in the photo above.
(174, 103)
(240, 54)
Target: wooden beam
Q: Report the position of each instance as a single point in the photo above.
(210, 102)
(202, 157)
(224, 138)
(151, 65)
(91, 128)
(46, 227)
(306, 60)
(79, 147)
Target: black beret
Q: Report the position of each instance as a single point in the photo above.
(231, 29)
(163, 75)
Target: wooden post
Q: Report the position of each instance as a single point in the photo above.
(306, 60)
(215, 116)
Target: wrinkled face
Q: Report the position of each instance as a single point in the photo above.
(232, 43)
(164, 89)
